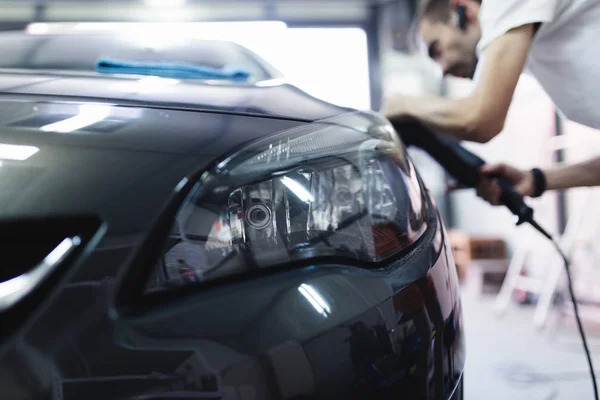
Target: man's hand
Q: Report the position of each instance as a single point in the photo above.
(396, 107)
(489, 189)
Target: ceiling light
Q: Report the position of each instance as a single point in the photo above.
(228, 29)
(16, 152)
(165, 3)
(37, 28)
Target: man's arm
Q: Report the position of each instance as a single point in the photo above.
(577, 175)
(480, 116)
(584, 174)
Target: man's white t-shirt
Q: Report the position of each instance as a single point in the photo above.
(564, 55)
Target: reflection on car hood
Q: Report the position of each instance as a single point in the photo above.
(268, 98)
(124, 163)
(123, 166)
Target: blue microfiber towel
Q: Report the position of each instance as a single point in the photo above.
(177, 70)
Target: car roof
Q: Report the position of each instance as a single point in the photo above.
(81, 51)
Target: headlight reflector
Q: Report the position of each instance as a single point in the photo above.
(325, 190)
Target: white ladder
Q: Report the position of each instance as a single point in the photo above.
(547, 286)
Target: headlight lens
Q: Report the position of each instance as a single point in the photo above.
(325, 190)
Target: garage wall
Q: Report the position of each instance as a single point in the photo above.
(584, 143)
(329, 63)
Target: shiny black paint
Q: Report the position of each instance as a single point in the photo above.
(389, 333)
(274, 99)
(124, 175)
(384, 334)
(41, 235)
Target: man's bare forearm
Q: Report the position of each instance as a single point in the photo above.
(455, 117)
(582, 174)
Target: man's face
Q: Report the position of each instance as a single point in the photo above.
(452, 48)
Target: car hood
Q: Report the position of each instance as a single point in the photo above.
(123, 166)
(268, 98)
(120, 160)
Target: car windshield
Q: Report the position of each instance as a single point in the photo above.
(81, 53)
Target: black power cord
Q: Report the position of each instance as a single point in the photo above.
(574, 300)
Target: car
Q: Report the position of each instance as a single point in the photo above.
(58, 51)
(216, 240)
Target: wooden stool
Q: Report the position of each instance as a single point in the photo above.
(467, 250)
(487, 273)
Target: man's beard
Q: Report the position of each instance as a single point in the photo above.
(474, 67)
(465, 70)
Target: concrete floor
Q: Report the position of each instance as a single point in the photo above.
(507, 358)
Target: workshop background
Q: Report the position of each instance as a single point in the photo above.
(522, 343)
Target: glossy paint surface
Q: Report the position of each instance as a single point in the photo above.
(270, 98)
(323, 331)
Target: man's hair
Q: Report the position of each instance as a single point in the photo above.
(436, 10)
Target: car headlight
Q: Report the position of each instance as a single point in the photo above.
(344, 191)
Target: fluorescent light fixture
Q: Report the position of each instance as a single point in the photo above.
(165, 3)
(38, 28)
(88, 115)
(16, 152)
(315, 299)
(226, 30)
(48, 28)
(299, 190)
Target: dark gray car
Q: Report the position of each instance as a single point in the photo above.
(215, 241)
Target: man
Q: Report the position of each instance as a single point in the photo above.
(493, 42)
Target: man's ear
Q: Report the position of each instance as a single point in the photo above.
(471, 8)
